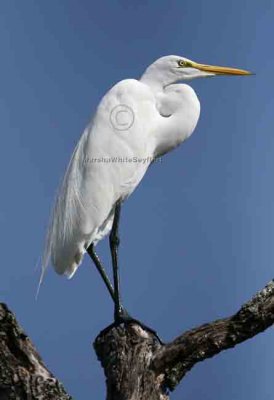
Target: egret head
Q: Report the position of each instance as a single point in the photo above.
(189, 69)
(171, 69)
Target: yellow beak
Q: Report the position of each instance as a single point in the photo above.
(220, 70)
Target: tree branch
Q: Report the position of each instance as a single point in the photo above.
(23, 374)
(136, 365)
(178, 357)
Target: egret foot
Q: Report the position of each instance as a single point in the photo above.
(121, 316)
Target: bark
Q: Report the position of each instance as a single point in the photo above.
(126, 354)
(137, 365)
(23, 375)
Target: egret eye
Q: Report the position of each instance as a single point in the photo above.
(184, 64)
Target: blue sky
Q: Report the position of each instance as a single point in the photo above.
(197, 235)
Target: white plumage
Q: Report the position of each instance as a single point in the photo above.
(135, 122)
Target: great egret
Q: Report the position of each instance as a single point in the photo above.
(135, 122)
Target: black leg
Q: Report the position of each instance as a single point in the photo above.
(114, 242)
(120, 314)
(95, 258)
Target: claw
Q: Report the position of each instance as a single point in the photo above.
(121, 316)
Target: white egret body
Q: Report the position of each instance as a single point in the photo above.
(135, 122)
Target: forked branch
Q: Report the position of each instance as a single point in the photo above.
(138, 367)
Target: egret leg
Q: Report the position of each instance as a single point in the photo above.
(100, 268)
(114, 242)
(120, 314)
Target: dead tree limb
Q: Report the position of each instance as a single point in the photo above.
(23, 374)
(138, 367)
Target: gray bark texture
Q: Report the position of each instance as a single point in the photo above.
(137, 365)
(23, 375)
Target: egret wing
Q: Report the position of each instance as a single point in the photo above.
(108, 162)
